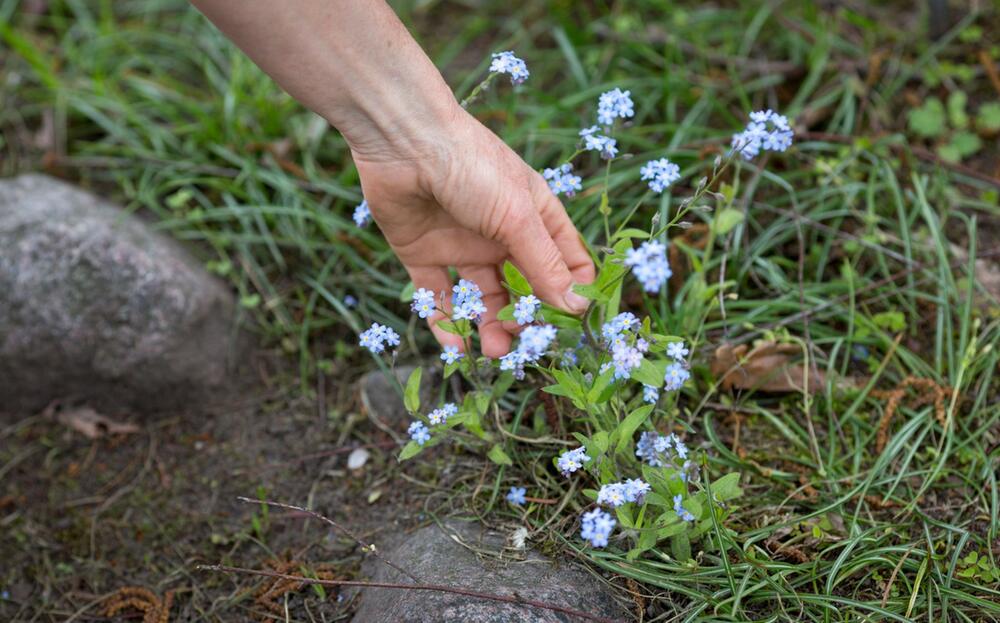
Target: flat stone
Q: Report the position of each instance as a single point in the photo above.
(96, 306)
(433, 556)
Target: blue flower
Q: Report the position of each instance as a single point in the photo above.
(592, 141)
(650, 394)
(677, 350)
(660, 450)
(419, 433)
(614, 331)
(636, 490)
(682, 512)
(350, 301)
(596, 527)
(572, 460)
(450, 354)
(362, 215)
(467, 301)
(675, 376)
(507, 63)
(534, 342)
(649, 265)
(612, 495)
(377, 337)
(625, 359)
(423, 303)
(614, 104)
(767, 130)
(660, 174)
(516, 496)
(561, 180)
(525, 308)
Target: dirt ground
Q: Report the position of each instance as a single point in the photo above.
(81, 519)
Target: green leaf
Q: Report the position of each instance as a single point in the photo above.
(680, 547)
(506, 313)
(650, 372)
(448, 327)
(631, 232)
(726, 220)
(515, 280)
(407, 293)
(956, 109)
(629, 425)
(727, 487)
(893, 321)
(600, 442)
(601, 383)
(605, 207)
(961, 145)
(591, 291)
(560, 318)
(411, 396)
(988, 117)
(410, 450)
(929, 120)
(498, 456)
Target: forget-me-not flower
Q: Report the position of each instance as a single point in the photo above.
(419, 433)
(612, 495)
(572, 460)
(534, 342)
(525, 309)
(675, 376)
(650, 393)
(562, 181)
(592, 141)
(450, 354)
(467, 301)
(660, 174)
(614, 104)
(507, 63)
(677, 351)
(649, 265)
(596, 527)
(423, 303)
(362, 215)
(516, 496)
(377, 337)
(766, 130)
(682, 512)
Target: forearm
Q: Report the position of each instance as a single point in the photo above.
(351, 61)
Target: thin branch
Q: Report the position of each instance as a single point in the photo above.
(510, 599)
(367, 547)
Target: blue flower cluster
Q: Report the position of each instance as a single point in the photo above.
(377, 337)
(535, 340)
(614, 104)
(467, 301)
(362, 215)
(419, 433)
(675, 376)
(626, 348)
(440, 416)
(660, 174)
(767, 130)
(507, 63)
(682, 512)
(650, 394)
(660, 450)
(572, 460)
(617, 493)
(649, 265)
(592, 141)
(450, 354)
(423, 303)
(526, 308)
(561, 180)
(516, 496)
(596, 527)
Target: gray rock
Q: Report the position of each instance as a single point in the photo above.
(381, 401)
(96, 306)
(433, 556)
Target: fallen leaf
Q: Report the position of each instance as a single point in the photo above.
(92, 424)
(769, 367)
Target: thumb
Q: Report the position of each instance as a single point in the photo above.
(537, 256)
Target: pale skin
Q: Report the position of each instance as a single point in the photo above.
(444, 190)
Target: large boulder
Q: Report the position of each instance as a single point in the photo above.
(96, 306)
(434, 555)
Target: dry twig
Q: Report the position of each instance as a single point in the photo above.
(142, 599)
(927, 391)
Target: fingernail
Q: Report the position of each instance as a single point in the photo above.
(575, 302)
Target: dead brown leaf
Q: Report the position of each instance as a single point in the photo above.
(769, 367)
(89, 422)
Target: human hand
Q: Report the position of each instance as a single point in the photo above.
(458, 196)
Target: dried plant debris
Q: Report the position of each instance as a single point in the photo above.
(768, 367)
(269, 595)
(927, 391)
(153, 609)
